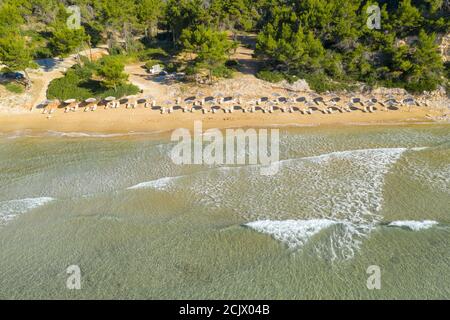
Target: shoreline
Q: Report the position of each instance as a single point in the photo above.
(150, 121)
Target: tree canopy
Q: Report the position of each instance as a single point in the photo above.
(329, 39)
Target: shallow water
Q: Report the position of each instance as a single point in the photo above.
(140, 226)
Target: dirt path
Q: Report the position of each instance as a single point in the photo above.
(149, 85)
(49, 70)
(248, 65)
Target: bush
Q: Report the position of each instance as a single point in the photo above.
(319, 82)
(270, 76)
(15, 88)
(425, 84)
(77, 84)
(152, 53)
(172, 67)
(222, 72)
(191, 70)
(42, 53)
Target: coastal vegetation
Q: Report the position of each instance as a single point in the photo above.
(14, 88)
(98, 80)
(328, 43)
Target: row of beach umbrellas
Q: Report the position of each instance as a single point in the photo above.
(391, 100)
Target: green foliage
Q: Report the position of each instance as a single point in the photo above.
(232, 14)
(408, 17)
(270, 76)
(323, 40)
(65, 41)
(15, 53)
(78, 84)
(326, 37)
(173, 67)
(111, 70)
(212, 48)
(222, 72)
(149, 12)
(10, 17)
(152, 53)
(15, 88)
(184, 14)
(287, 45)
(320, 82)
(427, 66)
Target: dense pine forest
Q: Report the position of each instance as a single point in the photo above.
(327, 42)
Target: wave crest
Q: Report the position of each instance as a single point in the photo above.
(413, 225)
(11, 209)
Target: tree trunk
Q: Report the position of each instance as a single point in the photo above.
(28, 80)
(125, 36)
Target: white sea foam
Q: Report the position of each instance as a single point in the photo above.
(344, 186)
(294, 233)
(92, 135)
(11, 209)
(434, 176)
(159, 184)
(419, 148)
(50, 133)
(414, 225)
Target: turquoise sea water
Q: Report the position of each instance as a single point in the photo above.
(139, 226)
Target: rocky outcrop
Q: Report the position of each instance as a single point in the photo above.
(300, 85)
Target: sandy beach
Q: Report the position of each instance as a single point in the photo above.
(145, 120)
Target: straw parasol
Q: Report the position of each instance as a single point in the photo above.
(335, 98)
(69, 101)
(109, 99)
(409, 100)
(90, 100)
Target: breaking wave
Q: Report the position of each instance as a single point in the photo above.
(11, 209)
(343, 189)
(160, 184)
(414, 225)
(294, 233)
(31, 134)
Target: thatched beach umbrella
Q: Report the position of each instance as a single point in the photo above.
(301, 99)
(110, 101)
(373, 99)
(409, 100)
(90, 104)
(391, 99)
(334, 98)
(355, 99)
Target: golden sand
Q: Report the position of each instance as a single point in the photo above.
(146, 120)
